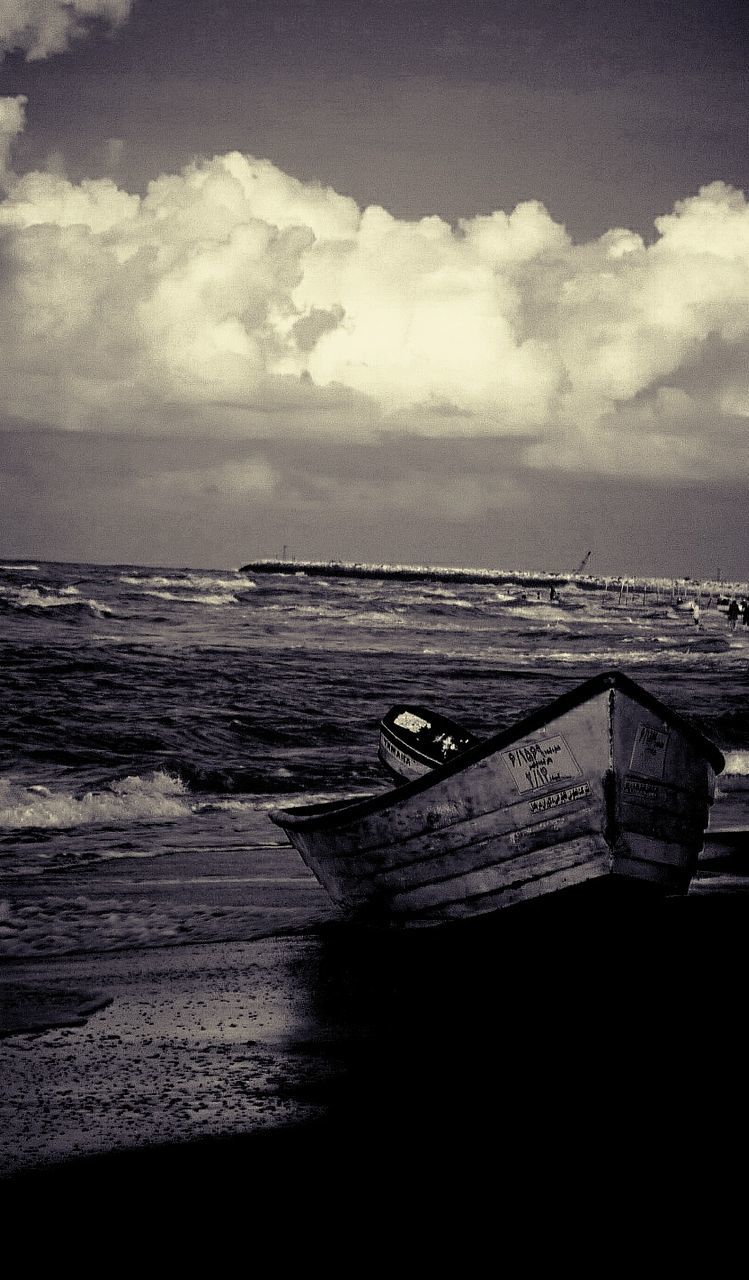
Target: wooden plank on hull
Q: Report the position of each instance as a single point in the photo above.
(669, 827)
(410, 832)
(639, 848)
(514, 895)
(473, 835)
(501, 875)
(497, 850)
(670, 877)
(373, 873)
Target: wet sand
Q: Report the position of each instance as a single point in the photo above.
(336, 1051)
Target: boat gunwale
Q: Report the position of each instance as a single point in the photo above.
(339, 814)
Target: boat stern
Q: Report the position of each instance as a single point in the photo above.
(661, 789)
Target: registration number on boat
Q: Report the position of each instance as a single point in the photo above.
(533, 765)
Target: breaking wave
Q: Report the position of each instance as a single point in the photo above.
(38, 598)
(154, 798)
(192, 581)
(193, 599)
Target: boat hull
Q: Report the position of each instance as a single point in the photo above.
(605, 784)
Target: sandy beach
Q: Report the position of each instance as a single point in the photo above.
(138, 1048)
(344, 1048)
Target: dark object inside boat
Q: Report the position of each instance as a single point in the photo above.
(415, 740)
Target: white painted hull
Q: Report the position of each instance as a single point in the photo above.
(605, 783)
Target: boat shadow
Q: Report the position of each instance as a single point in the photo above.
(564, 1008)
(462, 1063)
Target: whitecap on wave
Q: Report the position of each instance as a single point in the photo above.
(156, 797)
(262, 804)
(191, 582)
(193, 599)
(32, 598)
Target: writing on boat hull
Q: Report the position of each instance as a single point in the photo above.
(557, 798)
(533, 765)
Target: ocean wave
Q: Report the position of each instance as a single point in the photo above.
(65, 597)
(156, 797)
(193, 581)
(439, 605)
(211, 777)
(263, 804)
(603, 658)
(293, 610)
(181, 598)
(539, 611)
(440, 597)
(20, 568)
(378, 618)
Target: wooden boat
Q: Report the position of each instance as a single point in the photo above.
(415, 740)
(604, 785)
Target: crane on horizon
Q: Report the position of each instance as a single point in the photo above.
(584, 561)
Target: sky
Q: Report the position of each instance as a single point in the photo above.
(391, 282)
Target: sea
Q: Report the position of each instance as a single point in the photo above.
(152, 717)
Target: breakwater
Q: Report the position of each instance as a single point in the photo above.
(627, 586)
(412, 573)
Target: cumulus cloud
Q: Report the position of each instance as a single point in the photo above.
(41, 27)
(233, 298)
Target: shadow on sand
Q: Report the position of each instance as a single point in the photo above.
(513, 1041)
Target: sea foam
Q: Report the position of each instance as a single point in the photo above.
(156, 797)
(33, 598)
(191, 582)
(213, 599)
